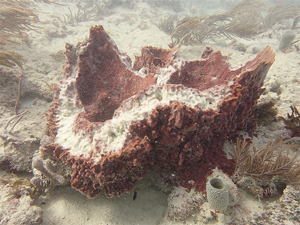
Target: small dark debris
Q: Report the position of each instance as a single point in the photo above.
(134, 195)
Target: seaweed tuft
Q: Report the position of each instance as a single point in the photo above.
(266, 113)
(293, 122)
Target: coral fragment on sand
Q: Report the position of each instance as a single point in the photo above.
(111, 123)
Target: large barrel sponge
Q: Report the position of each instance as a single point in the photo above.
(217, 194)
(112, 123)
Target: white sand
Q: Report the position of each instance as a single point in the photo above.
(65, 205)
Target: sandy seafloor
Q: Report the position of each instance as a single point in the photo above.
(131, 29)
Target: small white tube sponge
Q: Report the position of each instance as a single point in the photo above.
(287, 37)
(217, 194)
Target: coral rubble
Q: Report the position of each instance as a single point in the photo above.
(283, 211)
(46, 174)
(16, 202)
(112, 123)
(182, 203)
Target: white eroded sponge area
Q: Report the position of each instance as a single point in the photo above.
(79, 143)
(113, 134)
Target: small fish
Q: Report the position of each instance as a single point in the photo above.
(134, 195)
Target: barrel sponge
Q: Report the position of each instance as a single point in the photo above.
(217, 194)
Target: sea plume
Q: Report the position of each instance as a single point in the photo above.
(266, 163)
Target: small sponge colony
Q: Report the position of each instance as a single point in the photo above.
(217, 194)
